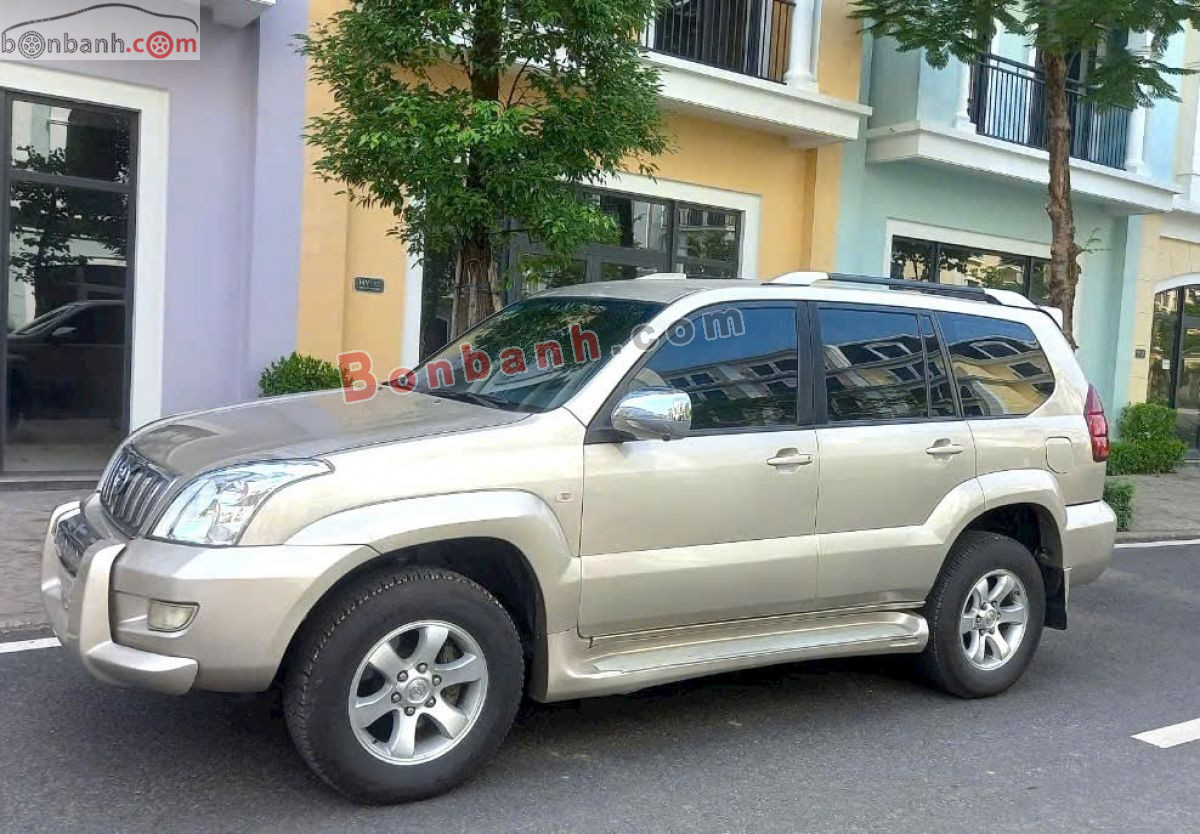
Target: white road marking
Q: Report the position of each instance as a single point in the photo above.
(1180, 543)
(29, 645)
(1172, 736)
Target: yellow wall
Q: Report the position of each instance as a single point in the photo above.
(1161, 258)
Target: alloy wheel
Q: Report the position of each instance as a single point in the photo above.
(993, 620)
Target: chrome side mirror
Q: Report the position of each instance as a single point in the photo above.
(654, 414)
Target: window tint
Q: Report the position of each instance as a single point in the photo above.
(999, 366)
(874, 365)
(738, 367)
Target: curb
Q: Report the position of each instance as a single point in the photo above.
(1136, 537)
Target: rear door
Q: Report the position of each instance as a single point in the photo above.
(720, 524)
(892, 448)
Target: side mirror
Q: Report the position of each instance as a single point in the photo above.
(654, 414)
(62, 334)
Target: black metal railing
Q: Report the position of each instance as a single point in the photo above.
(1008, 101)
(751, 37)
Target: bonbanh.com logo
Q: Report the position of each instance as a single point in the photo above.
(63, 30)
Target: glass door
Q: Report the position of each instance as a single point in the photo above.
(1175, 360)
(66, 283)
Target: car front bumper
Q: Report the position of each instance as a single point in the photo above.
(250, 602)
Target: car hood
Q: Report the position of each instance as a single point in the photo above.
(305, 425)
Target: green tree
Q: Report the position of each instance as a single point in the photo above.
(475, 121)
(1059, 30)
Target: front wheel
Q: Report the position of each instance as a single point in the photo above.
(404, 686)
(985, 616)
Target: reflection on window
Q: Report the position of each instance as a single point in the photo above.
(746, 379)
(641, 224)
(999, 366)
(874, 365)
(542, 272)
(927, 260)
(70, 140)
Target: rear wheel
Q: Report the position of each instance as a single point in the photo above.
(404, 686)
(985, 616)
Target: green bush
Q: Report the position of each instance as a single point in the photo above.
(296, 374)
(1119, 496)
(1148, 444)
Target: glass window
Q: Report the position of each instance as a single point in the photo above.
(976, 268)
(532, 355)
(874, 365)
(929, 260)
(641, 224)
(999, 366)
(915, 260)
(706, 241)
(70, 140)
(721, 368)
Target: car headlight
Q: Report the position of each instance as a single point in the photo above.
(215, 508)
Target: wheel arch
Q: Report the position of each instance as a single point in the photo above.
(509, 542)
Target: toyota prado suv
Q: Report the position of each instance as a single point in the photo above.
(601, 488)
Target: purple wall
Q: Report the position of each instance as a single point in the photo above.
(233, 224)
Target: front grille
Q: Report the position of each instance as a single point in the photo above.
(132, 490)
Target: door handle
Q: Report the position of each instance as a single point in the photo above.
(789, 457)
(945, 448)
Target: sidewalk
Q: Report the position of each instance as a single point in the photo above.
(1164, 507)
(23, 517)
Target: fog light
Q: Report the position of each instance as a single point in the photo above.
(170, 616)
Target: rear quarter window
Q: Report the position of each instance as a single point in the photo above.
(999, 366)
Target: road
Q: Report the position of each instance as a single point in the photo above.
(839, 746)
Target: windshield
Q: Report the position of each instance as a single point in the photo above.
(535, 354)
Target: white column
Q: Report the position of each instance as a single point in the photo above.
(962, 113)
(805, 36)
(1135, 140)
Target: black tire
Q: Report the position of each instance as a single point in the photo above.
(326, 659)
(944, 661)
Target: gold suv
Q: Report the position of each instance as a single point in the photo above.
(601, 488)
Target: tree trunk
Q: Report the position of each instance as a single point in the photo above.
(476, 284)
(1064, 251)
(476, 294)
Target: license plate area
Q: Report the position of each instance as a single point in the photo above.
(72, 537)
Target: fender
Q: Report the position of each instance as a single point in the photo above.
(519, 518)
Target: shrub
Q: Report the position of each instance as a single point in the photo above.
(1119, 496)
(1148, 444)
(296, 374)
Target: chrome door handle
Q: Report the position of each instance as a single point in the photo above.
(944, 449)
(790, 459)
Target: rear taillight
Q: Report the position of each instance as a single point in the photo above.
(1097, 423)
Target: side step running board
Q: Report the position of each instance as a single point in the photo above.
(628, 663)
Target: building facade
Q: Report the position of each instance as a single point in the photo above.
(760, 98)
(152, 222)
(950, 182)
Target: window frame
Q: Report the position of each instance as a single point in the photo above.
(600, 430)
(816, 364)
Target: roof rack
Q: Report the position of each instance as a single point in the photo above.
(807, 279)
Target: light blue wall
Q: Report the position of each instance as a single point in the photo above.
(1163, 119)
(962, 200)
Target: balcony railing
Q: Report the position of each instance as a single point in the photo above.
(751, 37)
(1008, 101)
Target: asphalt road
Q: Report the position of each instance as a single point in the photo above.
(841, 746)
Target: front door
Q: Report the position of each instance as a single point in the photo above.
(719, 525)
(69, 180)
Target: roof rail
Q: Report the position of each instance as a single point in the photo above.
(807, 279)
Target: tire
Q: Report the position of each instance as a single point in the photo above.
(974, 666)
(339, 657)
